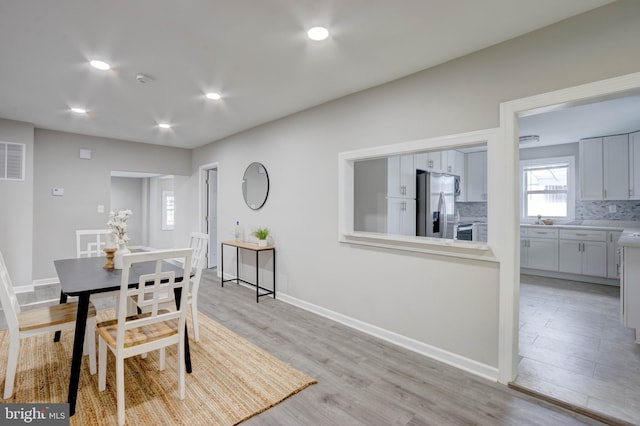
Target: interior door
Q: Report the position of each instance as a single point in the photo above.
(212, 217)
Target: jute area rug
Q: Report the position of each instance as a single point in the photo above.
(232, 380)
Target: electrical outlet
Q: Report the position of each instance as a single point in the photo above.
(612, 208)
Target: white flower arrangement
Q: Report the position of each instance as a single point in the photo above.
(118, 224)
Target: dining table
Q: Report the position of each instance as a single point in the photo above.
(83, 277)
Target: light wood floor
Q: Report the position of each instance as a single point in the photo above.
(573, 347)
(363, 380)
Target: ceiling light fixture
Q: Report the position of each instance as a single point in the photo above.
(213, 96)
(318, 33)
(101, 65)
(79, 110)
(529, 138)
(164, 125)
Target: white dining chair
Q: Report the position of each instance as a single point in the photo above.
(91, 242)
(38, 321)
(199, 242)
(158, 328)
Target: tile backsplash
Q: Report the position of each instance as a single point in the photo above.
(585, 210)
(472, 209)
(599, 210)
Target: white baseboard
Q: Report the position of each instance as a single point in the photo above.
(474, 367)
(485, 371)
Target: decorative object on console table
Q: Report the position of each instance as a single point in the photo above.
(261, 234)
(118, 223)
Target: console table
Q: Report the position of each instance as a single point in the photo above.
(257, 249)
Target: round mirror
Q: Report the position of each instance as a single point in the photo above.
(255, 186)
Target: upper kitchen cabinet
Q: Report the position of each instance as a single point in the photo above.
(634, 166)
(615, 161)
(476, 176)
(401, 176)
(604, 168)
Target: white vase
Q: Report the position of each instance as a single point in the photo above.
(262, 243)
(117, 259)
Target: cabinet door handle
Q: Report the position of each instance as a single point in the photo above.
(581, 235)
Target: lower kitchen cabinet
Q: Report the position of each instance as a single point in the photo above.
(613, 258)
(586, 256)
(539, 248)
(630, 289)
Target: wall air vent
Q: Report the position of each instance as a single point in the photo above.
(529, 138)
(12, 158)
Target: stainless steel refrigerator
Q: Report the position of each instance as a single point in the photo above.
(436, 204)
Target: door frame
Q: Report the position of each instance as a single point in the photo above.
(509, 296)
(203, 206)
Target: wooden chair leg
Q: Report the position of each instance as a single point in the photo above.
(162, 359)
(12, 365)
(90, 343)
(120, 388)
(102, 364)
(194, 320)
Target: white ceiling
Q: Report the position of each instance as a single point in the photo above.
(254, 52)
(570, 124)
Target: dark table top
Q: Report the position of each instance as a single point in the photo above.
(87, 276)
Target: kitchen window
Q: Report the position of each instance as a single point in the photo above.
(548, 188)
(168, 210)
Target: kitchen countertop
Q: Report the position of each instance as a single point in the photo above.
(630, 229)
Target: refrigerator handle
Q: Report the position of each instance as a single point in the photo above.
(442, 208)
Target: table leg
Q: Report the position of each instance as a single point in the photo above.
(257, 279)
(63, 299)
(78, 344)
(273, 252)
(222, 264)
(177, 292)
(237, 266)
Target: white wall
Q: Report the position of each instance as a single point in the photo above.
(450, 304)
(16, 213)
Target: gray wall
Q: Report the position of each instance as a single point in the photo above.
(16, 213)
(446, 303)
(129, 193)
(87, 183)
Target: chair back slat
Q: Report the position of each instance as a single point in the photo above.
(153, 289)
(10, 304)
(91, 242)
(199, 243)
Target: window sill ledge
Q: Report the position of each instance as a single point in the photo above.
(442, 247)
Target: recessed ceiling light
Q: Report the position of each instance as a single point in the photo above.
(101, 65)
(213, 95)
(318, 33)
(164, 125)
(79, 110)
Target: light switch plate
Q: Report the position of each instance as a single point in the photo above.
(612, 208)
(85, 154)
(57, 192)
(100, 208)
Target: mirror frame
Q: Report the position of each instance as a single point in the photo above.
(255, 206)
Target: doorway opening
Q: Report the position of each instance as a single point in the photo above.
(512, 112)
(209, 211)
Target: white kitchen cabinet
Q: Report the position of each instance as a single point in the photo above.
(401, 176)
(604, 168)
(459, 170)
(613, 259)
(583, 252)
(479, 232)
(634, 166)
(476, 176)
(615, 164)
(435, 161)
(591, 170)
(630, 288)
(539, 248)
(452, 162)
(401, 216)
